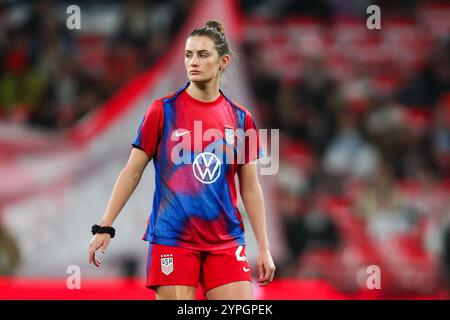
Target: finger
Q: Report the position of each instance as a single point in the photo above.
(91, 256)
(105, 245)
(260, 271)
(97, 262)
(93, 259)
(272, 274)
(91, 252)
(264, 283)
(267, 272)
(92, 249)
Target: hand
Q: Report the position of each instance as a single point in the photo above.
(99, 241)
(266, 267)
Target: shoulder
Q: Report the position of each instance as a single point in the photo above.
(154, 111)
(172, 96)
(239, 107)
(158, 103)
(155, 106)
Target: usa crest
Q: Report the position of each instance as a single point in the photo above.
(229, 135)
(166, 264)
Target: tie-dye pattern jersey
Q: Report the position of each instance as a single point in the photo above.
(196, 148)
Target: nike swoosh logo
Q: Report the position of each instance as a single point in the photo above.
(245, 269)
(179, 134)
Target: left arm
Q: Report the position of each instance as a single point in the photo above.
(253, 200)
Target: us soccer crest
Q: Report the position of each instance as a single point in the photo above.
(166, 264)
(229, 135)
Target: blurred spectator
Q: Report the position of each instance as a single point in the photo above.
(122, 62)
(386, 127)
(348, 81)
(264, 84)
(291, 210)
(381, 205)
(22, 86)
(364, 141)
(9, 252)
(307, 226)
(52, 77)
(446, 255)
(320, 9)
(316, 92)
(135, 25)
(292, 113)
(431, 203)
(425, 88)
(129, 266)
(348, 154)
(440, 139)
(319, 229)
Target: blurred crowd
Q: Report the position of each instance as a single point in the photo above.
(364, 116)
(359, 135)
(51, 77)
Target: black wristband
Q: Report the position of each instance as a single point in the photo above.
(99, 229)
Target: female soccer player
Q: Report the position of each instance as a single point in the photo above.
(195, 230)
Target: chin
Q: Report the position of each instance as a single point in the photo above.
(198, 78)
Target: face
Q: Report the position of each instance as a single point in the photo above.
(202, 60)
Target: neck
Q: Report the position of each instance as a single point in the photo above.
(204, 91)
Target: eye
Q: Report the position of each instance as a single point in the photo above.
(204, 55)
(188, 55)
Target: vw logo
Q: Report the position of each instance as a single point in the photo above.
(206, 167)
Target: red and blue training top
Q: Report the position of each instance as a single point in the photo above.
(196, 150)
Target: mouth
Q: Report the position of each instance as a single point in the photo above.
(194, 72)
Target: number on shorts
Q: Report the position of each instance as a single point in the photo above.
(238, 254)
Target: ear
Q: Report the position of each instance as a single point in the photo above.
(224, 60)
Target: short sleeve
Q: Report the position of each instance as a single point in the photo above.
(150, 129)
(252, 146)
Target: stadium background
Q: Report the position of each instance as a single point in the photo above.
(364, 119)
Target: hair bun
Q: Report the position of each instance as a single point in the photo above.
(216, 26)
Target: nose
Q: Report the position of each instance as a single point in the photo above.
(194, 61)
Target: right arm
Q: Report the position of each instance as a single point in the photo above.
(126, 183)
